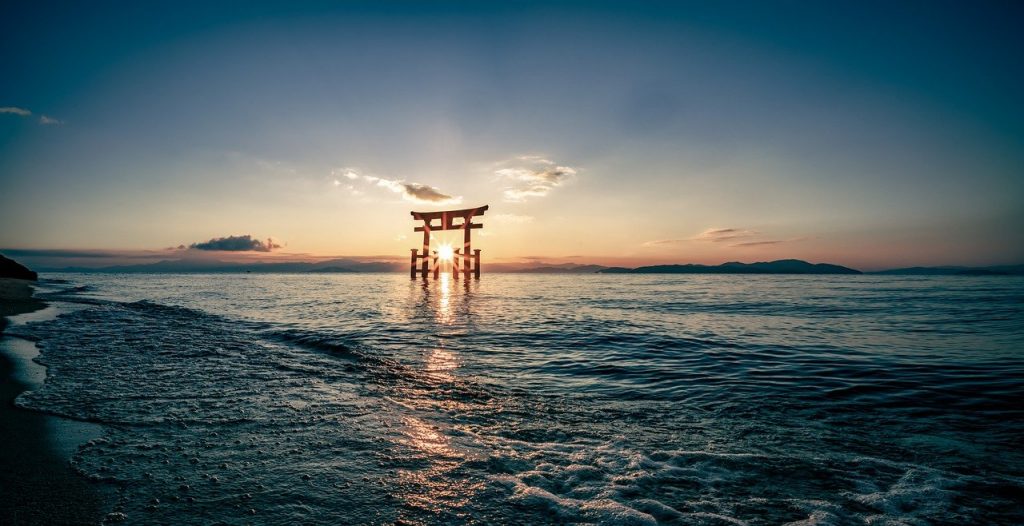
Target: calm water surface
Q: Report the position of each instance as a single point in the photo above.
(529, 399)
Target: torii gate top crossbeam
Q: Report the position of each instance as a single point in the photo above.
(448, 218)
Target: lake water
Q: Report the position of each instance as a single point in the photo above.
(533, 399)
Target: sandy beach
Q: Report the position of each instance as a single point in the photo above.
(39, 484)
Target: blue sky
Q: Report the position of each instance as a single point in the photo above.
(868, 134)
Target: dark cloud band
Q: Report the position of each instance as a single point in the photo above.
(244, 243)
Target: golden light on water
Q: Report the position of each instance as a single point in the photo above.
(441, 361)
(444, 302)
(434, 481)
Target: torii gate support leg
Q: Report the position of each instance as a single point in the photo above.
(426, 250)
(466, 249)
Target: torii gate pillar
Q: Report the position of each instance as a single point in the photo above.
(465, 260)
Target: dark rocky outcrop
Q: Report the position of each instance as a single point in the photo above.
(12, 269)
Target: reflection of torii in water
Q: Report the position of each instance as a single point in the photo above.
(470, 258)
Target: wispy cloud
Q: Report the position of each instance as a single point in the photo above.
(658, 242)
(712, 235)
(45, 120)
(415, 192)
(532, 176)
(733, 237)
(722, 235)
(768, 242)
(536, 158)
(14, 110)
(425, 193)
(511, 219)
(236, 244)
(759, 243)
(348, 173)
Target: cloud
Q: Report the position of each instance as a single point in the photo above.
(759, 243)
(532, 176)
(535, 158)
(736, 237)
(347, 173)
(45, 120)
(768, 242)
(516, 195)
(720, 235)
(512, 219)
(657, 242)
(422, 192)
(236, 244)
(415, 192)
(15, 111)
(351, 188)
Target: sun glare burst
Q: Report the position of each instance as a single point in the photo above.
(445, 252)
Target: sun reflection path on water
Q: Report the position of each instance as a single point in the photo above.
(444, 302)
(436, 488)
(431, 487)
(440, 364)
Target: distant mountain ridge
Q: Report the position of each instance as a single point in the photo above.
(997, 270)
(204, 266)
(568, 268)
(782, 266)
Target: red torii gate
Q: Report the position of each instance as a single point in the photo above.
(470, 258)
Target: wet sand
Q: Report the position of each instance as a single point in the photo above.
(38, 484)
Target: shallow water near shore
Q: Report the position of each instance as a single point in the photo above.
(526, 399)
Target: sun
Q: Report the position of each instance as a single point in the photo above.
(445, 252)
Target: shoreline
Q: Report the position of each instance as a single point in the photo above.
(39, 484)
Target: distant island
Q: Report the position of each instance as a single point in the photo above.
(999, 270)
(782, 266)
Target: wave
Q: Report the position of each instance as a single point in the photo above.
(504, 405)
(313, 340)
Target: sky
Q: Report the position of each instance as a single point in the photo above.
(868, 134)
